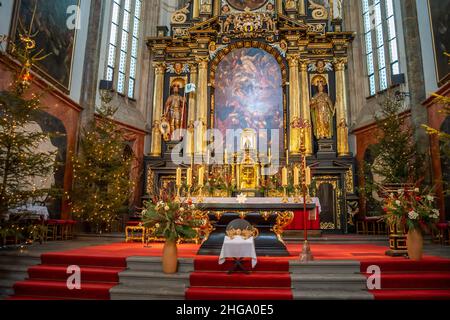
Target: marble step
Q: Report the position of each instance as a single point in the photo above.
(332, 295)
(121, 292)
(154, 264)
(11, 259)
(346, 282)
(150, 279)
(325, 267)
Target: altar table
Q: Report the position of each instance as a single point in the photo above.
(268, 215)
(238, 248)
(312, 220)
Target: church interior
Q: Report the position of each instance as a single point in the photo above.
(224, 150)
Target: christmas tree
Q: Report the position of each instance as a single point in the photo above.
(102, 184)
(22, 164)
(395, 159)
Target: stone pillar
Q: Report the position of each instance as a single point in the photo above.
(195, 9)
(158, 97)
(294, 104)
(305, 105)
(202, 107)
(341, 108)
(191, 112)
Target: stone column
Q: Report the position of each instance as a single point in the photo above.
(158, 97)
(341, 108)
(294, 104)
(305, 105)
(191, 112)
(195, 9)
(202, 107)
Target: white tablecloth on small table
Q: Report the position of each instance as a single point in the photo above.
(32, 209)
(238, 248)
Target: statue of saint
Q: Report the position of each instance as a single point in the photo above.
(323, 110)
(174, 111)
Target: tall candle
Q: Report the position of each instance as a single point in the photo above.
(270, 156)
(284, 177)
(296, 176)
(189, 177)
(308, 176)
(178, 177)
(201, 176)
(225, 157)
(287, 157)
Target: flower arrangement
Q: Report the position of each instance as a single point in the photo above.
(171, 219)
(412, 209)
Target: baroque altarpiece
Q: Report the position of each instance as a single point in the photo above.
(251, 65)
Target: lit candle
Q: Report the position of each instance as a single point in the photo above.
(308, 176)
(270, 156)
(201, 176)
(287, 157)
(189, 177)
(225, 157)
(296, 176)
(284, 177)
(178, 177)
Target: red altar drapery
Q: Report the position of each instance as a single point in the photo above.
(299, 218)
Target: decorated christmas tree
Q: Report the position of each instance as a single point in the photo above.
(102, 184)
(23, 165)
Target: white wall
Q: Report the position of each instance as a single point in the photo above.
(426, 39)
(6, 11)
(167, 7)
(80, 48)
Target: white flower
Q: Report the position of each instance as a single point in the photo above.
(416, 190)
(397, 202)
(166, 208)
(430, 198)
(157, 225)
(413, 215)
(400, 191)
(436, 211)
(181, 209)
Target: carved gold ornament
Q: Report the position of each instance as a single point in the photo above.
(180, 16)
(319, 12)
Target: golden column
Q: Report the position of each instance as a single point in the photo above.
(191, 112)
(202, 106)
(341, 107)
(305, 105)
(158, 97)
(294, 104)
(216, 10)
(195, 9)
(301, 8)
(280, 6)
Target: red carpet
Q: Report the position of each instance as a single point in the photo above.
(402, 279)
(270, 280)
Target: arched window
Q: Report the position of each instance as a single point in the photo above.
(381, 49)
(123, 45)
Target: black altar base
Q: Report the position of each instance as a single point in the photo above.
(266, 244)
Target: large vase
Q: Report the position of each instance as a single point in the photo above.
(170, 257)
(414, 242)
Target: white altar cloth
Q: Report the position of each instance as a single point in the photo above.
(238, 248)
(41, 211)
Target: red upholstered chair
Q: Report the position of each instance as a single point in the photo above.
(443, 233)
(70, 226)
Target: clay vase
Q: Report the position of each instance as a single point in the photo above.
(414, 242)
(170, 257)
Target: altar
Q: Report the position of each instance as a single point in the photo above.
(268, 215)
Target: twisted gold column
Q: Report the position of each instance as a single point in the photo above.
(305, 105)
(280, 6)
(191, 112)
(341, 108)
(294, 105)
(158, 96)
(202, 107)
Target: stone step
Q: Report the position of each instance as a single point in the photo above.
(346, 282)
(149, 279)
(332, 295)
(13, 267)
(121, 292)
(28, 260)
(325, 267)
(154, 264)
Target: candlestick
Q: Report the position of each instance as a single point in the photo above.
(296, 176)
(287, 157)
(284, 177)
(178, 182)
(308, 176)
(225, 157)
(201, 176)
(189, 177)
(270, 156)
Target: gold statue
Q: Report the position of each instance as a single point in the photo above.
(174, 111)
(322, 110)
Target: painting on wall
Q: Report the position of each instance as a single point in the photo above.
(249, 93)
(55, 36)
(243, 4)
(440, 22)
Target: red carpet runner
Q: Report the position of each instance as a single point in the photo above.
(412, 280)
(48, 280)
(270, 280)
